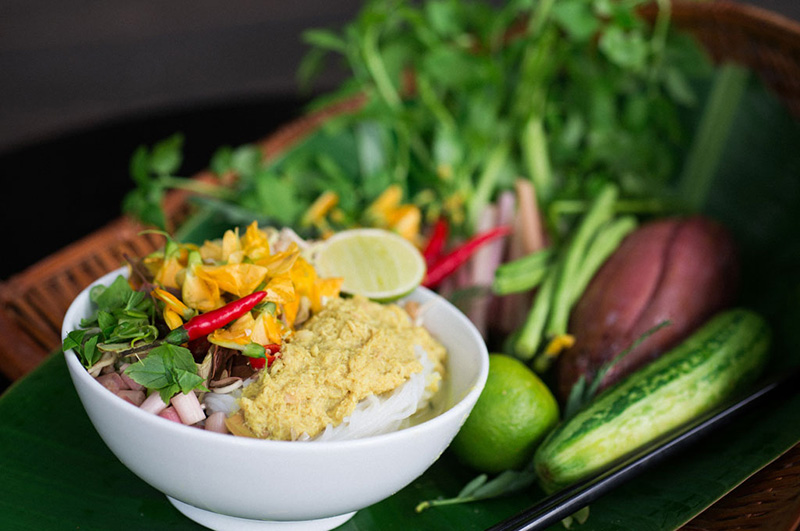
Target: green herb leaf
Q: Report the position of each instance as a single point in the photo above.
(168, 369)
(576, 18)
(167, 156)
(481, 488)
(276, 198)
(625, 49)
(84, 343)
(91, 354)
(325, 39)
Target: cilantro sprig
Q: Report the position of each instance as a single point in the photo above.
(459, 98)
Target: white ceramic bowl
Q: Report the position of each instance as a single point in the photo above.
(227, 482)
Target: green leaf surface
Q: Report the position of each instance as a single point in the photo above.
(167, 369)
(166, 156)
(48, 444)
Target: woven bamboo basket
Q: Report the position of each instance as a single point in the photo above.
(33, 302)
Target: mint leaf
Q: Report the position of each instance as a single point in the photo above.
(106, 321)
(74, 340)
(167, 369)
(91, 354)
(113, 296)
(84, 343)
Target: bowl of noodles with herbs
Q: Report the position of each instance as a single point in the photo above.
(355, 387)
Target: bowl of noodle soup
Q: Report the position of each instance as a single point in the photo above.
(227, 482)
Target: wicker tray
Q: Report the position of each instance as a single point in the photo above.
(32, 303)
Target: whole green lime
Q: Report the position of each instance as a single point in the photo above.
(511, 417)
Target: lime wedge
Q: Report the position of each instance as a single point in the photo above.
(375, 263)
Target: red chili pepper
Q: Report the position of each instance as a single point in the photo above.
(433, 249)
(264, 360)
(458, 256)
(205, 323)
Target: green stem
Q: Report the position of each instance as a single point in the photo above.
(521, 274)
(659, 41)
(530, 335)
(601, 211)
(623, 206)
(487, 182)
(198, 187)
(377, 70)
(434, 104)
(536, 157)
(530, 261)
(605, 243)
(540, 16)
(712, 134)
(519, 282)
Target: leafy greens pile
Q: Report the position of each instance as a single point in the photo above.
(456, 99)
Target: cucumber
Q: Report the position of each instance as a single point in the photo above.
(724, 355)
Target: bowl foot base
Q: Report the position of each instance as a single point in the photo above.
(221, 522)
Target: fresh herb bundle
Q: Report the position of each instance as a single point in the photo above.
(458, 98)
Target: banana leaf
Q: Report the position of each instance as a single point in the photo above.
(56, 472)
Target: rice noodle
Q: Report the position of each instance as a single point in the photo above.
(389, 412)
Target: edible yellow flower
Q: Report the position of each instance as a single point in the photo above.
(211, 251)
(388, 212)
(324, 288)
(405, 220)
(558, 344)
(237, 335)
(280, 290)
(203, 294)
(232, 252)
(173, 303)
(255, 241)
(308, 284)
(280, 263)
(172, 318)
(320, 208)
(385, 204)
(170, 270)
(237, 279)
(267, 330)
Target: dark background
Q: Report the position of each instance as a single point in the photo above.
(83, 83)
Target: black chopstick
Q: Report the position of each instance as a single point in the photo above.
(566, 502)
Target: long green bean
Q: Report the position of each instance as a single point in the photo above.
(522, 274)
(599, 213)
(530, 335)
(605, 243)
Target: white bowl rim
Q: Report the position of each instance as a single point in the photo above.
(456, 409)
